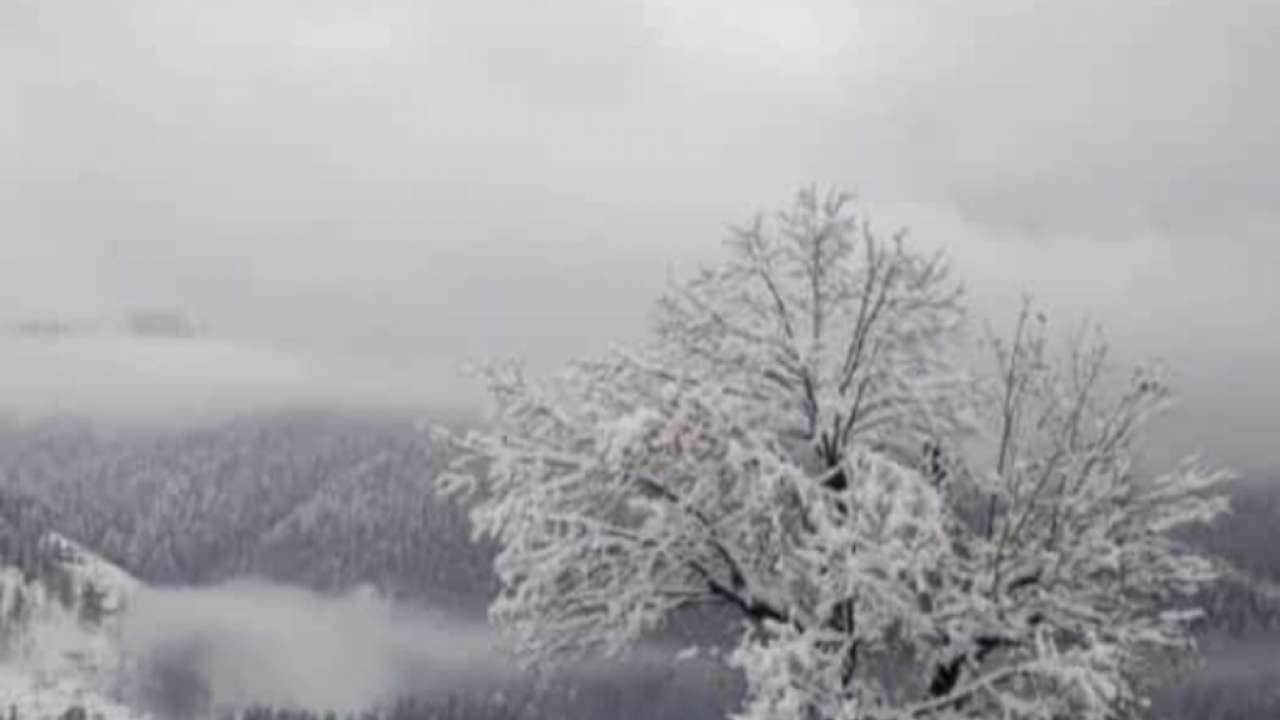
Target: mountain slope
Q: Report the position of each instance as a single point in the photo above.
(327, 500)
(60, 640)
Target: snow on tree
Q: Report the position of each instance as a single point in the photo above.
(902, 538)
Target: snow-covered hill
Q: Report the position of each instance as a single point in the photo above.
(325, 499)
(60, 655)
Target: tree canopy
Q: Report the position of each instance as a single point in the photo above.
(902, 536)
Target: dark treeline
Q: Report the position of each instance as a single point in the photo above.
(454, 707)
(1238, 676)
(643, 695)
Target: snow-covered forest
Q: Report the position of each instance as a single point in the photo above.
(380, 458)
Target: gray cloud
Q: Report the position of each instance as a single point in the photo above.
(156, 381)
(425, 182)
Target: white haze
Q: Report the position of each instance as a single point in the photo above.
(116, 378)
(369, 193)
(256, 642)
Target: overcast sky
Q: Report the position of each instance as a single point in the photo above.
(358, 197)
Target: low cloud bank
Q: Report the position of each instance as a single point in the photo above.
(162, 380)
(252, 642)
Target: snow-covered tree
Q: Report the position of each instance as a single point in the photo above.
(902, 538)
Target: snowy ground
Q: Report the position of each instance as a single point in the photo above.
(56, 664)
(32, 693)
(60, 666)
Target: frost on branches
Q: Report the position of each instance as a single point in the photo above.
(900, 539)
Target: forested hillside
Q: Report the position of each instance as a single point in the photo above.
(326, 500)
(1240, 633)
(332, 500)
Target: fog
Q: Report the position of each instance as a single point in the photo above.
(118, 378)
(342, 205)
(251, 642)
(354, 201)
